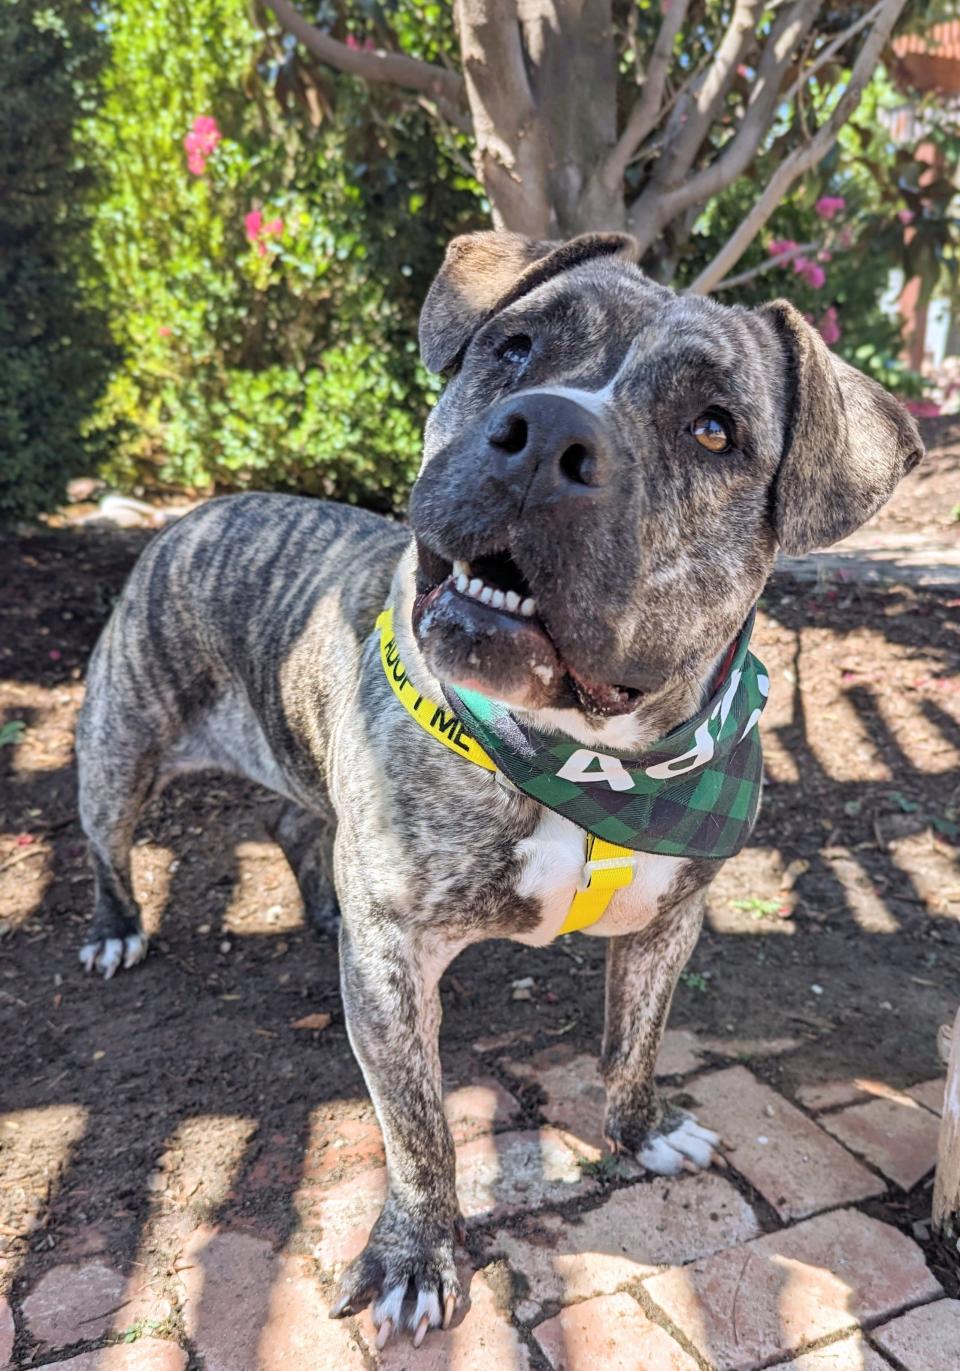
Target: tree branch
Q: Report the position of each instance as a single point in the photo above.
(511, 153)
(739, 152)
(781, 259)
(646, 112)
(389, 68)
(694, 123)
(830, 51)
(803, 158)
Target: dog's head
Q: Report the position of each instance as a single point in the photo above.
(611, 467)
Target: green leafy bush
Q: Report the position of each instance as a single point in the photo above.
(55, 348)
(347, 429)
(265, 271)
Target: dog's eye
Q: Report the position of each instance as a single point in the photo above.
(516, 350)
(712, 433)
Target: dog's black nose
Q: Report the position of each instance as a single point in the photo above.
(547, 448)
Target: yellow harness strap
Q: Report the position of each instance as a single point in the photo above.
(607, 867)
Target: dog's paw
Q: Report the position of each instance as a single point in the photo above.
(678, 1143)
(687, 1147)
(409, 1275)
(108, 955)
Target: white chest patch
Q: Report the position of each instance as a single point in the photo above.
(553, 858)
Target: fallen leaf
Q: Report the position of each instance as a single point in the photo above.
(313, 1021)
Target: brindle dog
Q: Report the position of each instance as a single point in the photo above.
(605, 481)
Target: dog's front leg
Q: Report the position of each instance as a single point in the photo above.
(642, 972)
(389, 976)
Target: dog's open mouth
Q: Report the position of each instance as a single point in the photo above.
(491, 603)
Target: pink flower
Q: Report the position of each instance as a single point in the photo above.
(778, 246)
(922, 409)
(906, 216)
(829, 205)
(824, 255)
(811, 272)
(352, 43)
(163, 331)
(829, 327)
(205, 133)
(257, 231)
(201, 142)
(369, 45)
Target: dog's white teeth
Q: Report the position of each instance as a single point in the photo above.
(461, 569)
(496, 599)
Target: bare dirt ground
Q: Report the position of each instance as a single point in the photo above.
(123, 1105)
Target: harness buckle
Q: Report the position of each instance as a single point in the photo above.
(605, 864)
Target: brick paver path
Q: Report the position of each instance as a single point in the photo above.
(775, 1258)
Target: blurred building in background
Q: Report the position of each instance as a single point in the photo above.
(924, 65)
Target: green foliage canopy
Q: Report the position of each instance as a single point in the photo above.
(266, 301)
(55, 348)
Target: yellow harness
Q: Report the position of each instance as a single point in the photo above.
(606, 866)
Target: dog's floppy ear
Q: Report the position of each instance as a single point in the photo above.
(484, 272)
(848, 442)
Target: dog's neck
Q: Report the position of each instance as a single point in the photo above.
(654, 717)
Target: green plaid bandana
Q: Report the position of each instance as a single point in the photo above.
(695, 793)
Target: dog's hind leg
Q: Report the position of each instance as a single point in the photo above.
(307, 843)
(113, 788)
(123, 734)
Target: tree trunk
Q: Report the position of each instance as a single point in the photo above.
(572, 48)
(946, 1190)
(541, 85)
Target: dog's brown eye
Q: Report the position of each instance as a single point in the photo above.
(516, 350)
(711, 433)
